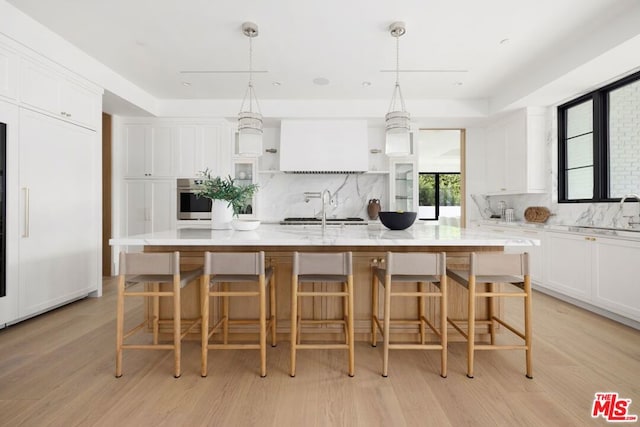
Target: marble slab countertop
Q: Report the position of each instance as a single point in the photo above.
(622, 233)
(419, 234)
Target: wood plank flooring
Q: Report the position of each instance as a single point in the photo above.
(57, 369)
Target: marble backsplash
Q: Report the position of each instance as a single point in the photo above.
(590, 214)
(282, 195)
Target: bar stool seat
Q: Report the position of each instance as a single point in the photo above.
(410, 268)
(221, 270)
(491, 269)
(152, 269)
(322, 268)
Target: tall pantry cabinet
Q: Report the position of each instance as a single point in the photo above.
(53, 186)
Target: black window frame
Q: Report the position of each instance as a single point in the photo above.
(437, 191)
(600, 99)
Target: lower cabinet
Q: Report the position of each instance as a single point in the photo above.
(59, 212)
(597, 270)
(150, 205)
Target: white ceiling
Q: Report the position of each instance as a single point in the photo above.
(347, 42)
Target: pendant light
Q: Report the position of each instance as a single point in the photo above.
(398, 139)
(250, 121)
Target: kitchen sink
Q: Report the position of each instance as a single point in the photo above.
(317, 221)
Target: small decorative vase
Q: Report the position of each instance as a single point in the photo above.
(373, 208)
(221, 215)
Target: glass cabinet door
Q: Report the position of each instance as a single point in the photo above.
(245, 173)
(403, 189)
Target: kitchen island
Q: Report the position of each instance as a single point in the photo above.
(369, 243)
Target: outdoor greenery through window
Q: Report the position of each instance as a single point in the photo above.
(439, 194)
(599, 144)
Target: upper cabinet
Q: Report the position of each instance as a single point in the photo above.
(201, 147)
(148, 151)
(8, 73)
(515, 153)
(46, 90)
(403, 184)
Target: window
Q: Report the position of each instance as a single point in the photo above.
(599, 144)
(439, 195)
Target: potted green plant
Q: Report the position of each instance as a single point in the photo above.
(228, 198)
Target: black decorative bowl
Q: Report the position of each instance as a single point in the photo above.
(397, 220)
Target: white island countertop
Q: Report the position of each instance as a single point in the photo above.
(372, 235)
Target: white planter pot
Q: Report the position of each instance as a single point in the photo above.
(221, 215)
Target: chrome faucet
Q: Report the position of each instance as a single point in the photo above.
(308, 195)
(631, 223)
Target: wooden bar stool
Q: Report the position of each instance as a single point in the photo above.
(317, 268)
(221, 270)
(410, 268)
(152, 269)
(489, 269)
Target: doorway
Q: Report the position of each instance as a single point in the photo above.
(441, 176)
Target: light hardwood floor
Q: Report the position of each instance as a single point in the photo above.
(57, 369)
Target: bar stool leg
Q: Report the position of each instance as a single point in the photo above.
(374, 308)
(273, 313)
(350, 327)
(443, 325)
(263, 327)
(387, 324)
(294, 324)
(472, 326)
(155, 287)
(119, 326)
(204, 312)
(225, 314)
(176, 325)
(423, 335)
(527, 325)
(490, 309)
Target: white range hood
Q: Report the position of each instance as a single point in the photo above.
(324, 146)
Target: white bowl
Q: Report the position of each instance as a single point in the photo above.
(245, 224)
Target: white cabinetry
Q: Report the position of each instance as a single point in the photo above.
(615, 284)
(597, 270)
(403, 184)
(568, 264)
(148, 151)
(59, 212)
(8, 73)
(150, 205)
(515, 161)
(46, 90)
(201, 147)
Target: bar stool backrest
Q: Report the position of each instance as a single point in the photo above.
(416, 264)
(146, 263)
(485, 264)
(316, 264)
(234, 263)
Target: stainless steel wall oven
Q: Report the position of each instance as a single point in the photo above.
(190, 206)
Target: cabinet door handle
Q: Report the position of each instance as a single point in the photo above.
(26, 212)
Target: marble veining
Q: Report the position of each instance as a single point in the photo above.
(313, 235)
(282, 195)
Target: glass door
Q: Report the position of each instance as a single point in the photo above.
(3, 209)
(245, 173)
(403, 189)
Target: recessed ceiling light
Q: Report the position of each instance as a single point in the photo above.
(457, 83)
(186, 84)
(320, 81)
(366, 84)
(276, 83)
(504, 41)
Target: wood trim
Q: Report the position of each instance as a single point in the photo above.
(106, 194)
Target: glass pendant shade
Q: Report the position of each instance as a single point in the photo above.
(398, 138)
(249, 133)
